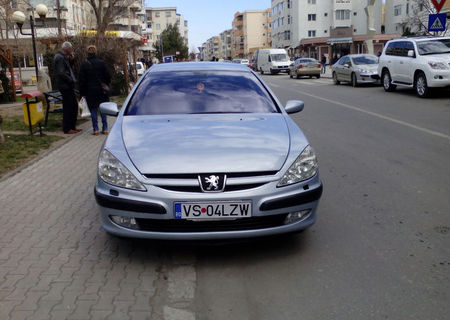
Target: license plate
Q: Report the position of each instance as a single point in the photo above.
(213, 210)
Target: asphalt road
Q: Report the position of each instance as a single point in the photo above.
(380, 248)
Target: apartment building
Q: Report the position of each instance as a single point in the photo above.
(410, 15)
(183, 27)
(225, 41)
(317, 27)
(158, 19)
(212, 49)
(251, 31)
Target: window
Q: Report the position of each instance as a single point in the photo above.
(157, 14)
(311, 33)
(289, 19)
(354, 13)
(281, 6)
(158, 26)
(342, 14)
(282, 21)
(325, 14)
(200, 92)
(407, 8)
(311, 1)
(289, 4)
(397, 10)
(287, 35)
(168, 14)
(311, 17)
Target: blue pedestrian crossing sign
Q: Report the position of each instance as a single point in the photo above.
(436, 22)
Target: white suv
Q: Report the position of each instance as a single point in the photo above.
(421, 63)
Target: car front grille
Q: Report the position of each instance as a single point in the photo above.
(189, 182)
(239, 187)
(175, 225)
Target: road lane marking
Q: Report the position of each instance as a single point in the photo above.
(406, 124)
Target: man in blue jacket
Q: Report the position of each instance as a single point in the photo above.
(65, 81)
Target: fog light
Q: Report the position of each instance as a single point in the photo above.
(126, 222)
(296, 216)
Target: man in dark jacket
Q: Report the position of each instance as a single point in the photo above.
(94, 78)
(65, 81)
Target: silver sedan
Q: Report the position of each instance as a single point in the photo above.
(205, 151)
(356, 69)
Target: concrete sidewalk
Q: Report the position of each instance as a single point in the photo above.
(55, 260)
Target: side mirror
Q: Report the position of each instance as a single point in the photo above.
(294, 106)
(411, 53)
(109, 108)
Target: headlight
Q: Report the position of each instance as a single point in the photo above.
(437, 65)
(304, 167)
(363, 70)
(112, 171)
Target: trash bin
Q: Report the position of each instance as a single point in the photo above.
(36, 113)
(33, 112)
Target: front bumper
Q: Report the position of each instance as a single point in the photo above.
(154, 211)
(370, 77)
(438, 79)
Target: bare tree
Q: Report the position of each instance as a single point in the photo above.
(106, 11)
(417, 19)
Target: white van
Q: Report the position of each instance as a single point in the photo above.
(273, 61)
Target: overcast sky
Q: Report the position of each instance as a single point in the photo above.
(207, 18)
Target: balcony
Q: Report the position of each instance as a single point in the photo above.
(136, 5)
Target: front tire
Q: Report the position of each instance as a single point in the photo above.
(387, 81)
(335, 79)
(421, 86)
(354, 80)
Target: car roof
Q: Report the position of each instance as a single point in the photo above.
(419, 38)
(198, 66)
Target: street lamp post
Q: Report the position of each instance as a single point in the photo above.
(19, 18)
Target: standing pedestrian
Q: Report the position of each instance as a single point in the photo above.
(323, 61)
(95, 79)
(65, 81)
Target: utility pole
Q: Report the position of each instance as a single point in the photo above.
(370, 25)
(58, 17)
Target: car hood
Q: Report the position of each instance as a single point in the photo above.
(369, 67)
(206, 143)
(444, 57)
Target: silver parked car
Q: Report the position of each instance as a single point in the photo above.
(305, 67)
(205, 151)
(356, 69)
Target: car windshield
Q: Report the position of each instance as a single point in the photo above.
(434, 46)
(279, 57)
(308, 60)
(194, 92)
(359, 60)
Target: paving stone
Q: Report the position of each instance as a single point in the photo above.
(56, 262)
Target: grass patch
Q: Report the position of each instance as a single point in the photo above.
(18, 149)
(119, 100)
(54, 124)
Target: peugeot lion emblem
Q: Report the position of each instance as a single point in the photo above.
(212, 182)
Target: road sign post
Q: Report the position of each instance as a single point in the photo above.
(436, 22)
